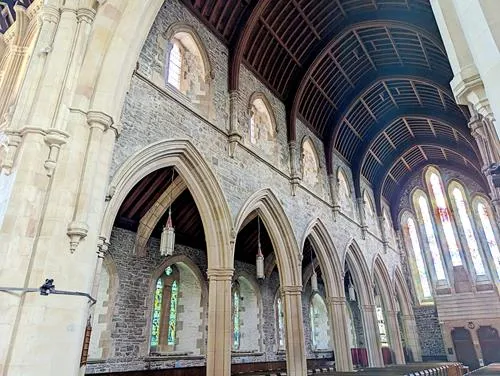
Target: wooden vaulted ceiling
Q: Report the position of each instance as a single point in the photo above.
(368, 77)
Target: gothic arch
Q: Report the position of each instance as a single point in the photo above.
(401, 290)
(327, 256)
(381, 275)
(200, 180)
(280, 231)
(354, 258)
(258, 95)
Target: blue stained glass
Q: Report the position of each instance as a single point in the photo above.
(172, 319)
(155, 325)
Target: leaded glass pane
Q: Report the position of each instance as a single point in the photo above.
(490, 235)
(444, 215)
(469, 233)
(431, 238)
(236, 319)
(174, 66)
(155, 322)
(281, 325)
(419, 259)
(172, 319)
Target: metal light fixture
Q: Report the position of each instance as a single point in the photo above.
(259, 263)
(167, 241)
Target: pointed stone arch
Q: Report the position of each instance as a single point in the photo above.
(413, 350)
(288, 256)
(327, 255)
(353, 257)
(200, 180)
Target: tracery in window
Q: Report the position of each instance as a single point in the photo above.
(262, 124)
(419, 259)
(280, 324)
(444, 216)
(431, 238)
(469, 232)
(490, 235)
(164, 316)
(236, 317)
(310, 165)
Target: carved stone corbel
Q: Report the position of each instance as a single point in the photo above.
(54, 139)
(334, 193)
(362, 216)
(14, 139)
(234, 136)
(294, 176)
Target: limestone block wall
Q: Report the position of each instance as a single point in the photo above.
(151, 113)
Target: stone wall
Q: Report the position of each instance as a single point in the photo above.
(429, 332)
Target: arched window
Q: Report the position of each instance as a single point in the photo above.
(444, 216)
(164, 320)
(236, 316)
(368, 205)
(382, 329)
(463, 215)
(389, 229)
(175, 65)
(423, 208)
(310, 164)
(319, 323)
(262, 124)
(183, 65)
(280, 323)
(423, 281)
(484, 216)
(344, 193)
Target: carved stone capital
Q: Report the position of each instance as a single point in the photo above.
(99, 120)
(335, 300)
(86, 15)
(54, 139)
(291, 290)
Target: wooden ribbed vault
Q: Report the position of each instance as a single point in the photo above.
(368, 77)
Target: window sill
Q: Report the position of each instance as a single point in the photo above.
(322, 351)
(246, 353)
(173, 355)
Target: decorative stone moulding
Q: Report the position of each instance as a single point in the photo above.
(77, 231)
(14, 139)
(54, 139)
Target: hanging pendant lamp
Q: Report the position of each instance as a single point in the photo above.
(259, 263)
(167, 241)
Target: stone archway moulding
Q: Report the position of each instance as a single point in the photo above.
(327, 256)
(199, 179)
(280, 231)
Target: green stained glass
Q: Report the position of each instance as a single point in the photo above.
(168, 270)
(236, 319)
(281, 325)
(172, 319)
(155, 326)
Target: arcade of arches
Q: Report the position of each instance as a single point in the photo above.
(240, 183)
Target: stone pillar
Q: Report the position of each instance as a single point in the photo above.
(395, 336)
(334, 192)
(362, 215)
(294, 166)
(219, 322)
(234, 135)
(383, 232)
(339, 333)
(410, 328)
(296, 363)
(371, 333)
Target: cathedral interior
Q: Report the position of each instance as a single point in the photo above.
(253, 187)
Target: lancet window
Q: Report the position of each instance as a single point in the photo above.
(236, 316)
(484, 216)
(164, 318)
(280, 323)
(423, 279)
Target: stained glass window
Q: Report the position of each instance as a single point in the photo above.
(172, 319)
(431, 238)
(174, 66)
(236, 318)
(344, 192)
(368, 205)
(490, 235)
(281, 324)
(419, 259)
(155, 325)
(382, 331)
(469, 233)
(444, 215)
